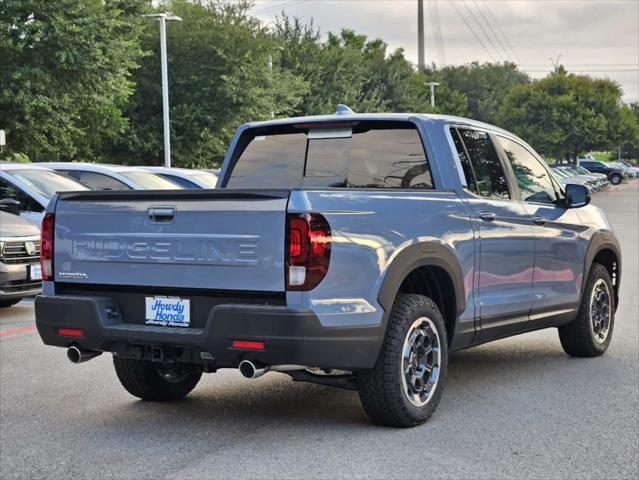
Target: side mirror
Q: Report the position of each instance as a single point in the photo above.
(10, 205)
(576, 195)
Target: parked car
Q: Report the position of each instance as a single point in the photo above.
(566, 177)
(187, 178)
(601, 177)
(32, 187)
(346, 250)
(631, 167)
(615, 174)
(20, 273)
(112, 177)
(597, 181)
(627, 172)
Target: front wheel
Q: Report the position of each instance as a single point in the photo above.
(590, 333)
(407, 381)
(155, 381)
(615, 179)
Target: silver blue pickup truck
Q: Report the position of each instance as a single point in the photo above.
(351, 250)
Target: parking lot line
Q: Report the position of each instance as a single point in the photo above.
(17, 331)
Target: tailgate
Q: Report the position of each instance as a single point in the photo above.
(222, 240)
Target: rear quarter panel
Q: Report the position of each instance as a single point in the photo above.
(370, 229)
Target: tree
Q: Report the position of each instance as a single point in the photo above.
(564, 115)
(219, 78)
(484, 85)
(66, 74)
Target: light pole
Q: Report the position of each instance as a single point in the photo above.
(432, 86)
(270, 75)
(163, 17)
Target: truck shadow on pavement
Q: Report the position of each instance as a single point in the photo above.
(496, 373)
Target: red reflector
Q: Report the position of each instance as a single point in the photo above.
(70, 332)
(248, 345)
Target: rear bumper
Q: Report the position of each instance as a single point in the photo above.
(290, 336)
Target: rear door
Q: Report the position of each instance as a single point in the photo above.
(227, 240)
(506, 255)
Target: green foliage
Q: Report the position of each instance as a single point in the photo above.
(81, 81)
(564, 115)
(65, 74)
(484, 85)
(218, 79)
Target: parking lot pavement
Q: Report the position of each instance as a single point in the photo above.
(514, 408)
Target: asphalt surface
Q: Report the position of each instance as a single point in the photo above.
(516, 408)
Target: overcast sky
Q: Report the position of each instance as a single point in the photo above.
(597, 37)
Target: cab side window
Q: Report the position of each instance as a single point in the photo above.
(490, 178)
(533, 178)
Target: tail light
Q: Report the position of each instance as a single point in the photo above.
(308, 250)
(46, 246)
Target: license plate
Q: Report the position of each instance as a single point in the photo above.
(168, 311)
(35, 272)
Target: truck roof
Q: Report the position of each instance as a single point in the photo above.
(345, 117)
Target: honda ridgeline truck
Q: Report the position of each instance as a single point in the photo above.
(352, 250)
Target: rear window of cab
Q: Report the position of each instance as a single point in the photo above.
(347, 155)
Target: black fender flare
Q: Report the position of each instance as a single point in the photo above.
(602, 240)
(429, 253)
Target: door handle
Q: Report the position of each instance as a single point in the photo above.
(539, 221)
(487, 216)
(162, 214)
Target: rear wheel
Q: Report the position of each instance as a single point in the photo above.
(155, 381)
(590, 333)
(9, 303)
(615, 179)
(406, 383)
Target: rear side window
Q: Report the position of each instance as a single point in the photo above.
(364, 155)
(489, 173)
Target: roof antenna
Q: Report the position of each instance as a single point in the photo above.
(343, 109)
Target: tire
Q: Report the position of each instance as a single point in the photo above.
(9, 303)
(615, 179)
(155, 381)
(588, 336)
(386, 395)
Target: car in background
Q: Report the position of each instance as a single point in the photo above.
(28, 188)
(567, 178)
(598, 181)
(602, 177)
(628, 172)
(187, 178)
(614, 174)
(630, 167)
(20, 272)
(112, 177)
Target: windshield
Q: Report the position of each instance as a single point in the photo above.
(582, 170)
(208, 179)
(150, 181)
(45, 182)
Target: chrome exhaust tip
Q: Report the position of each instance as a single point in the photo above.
(249, 370)
(77, 355)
